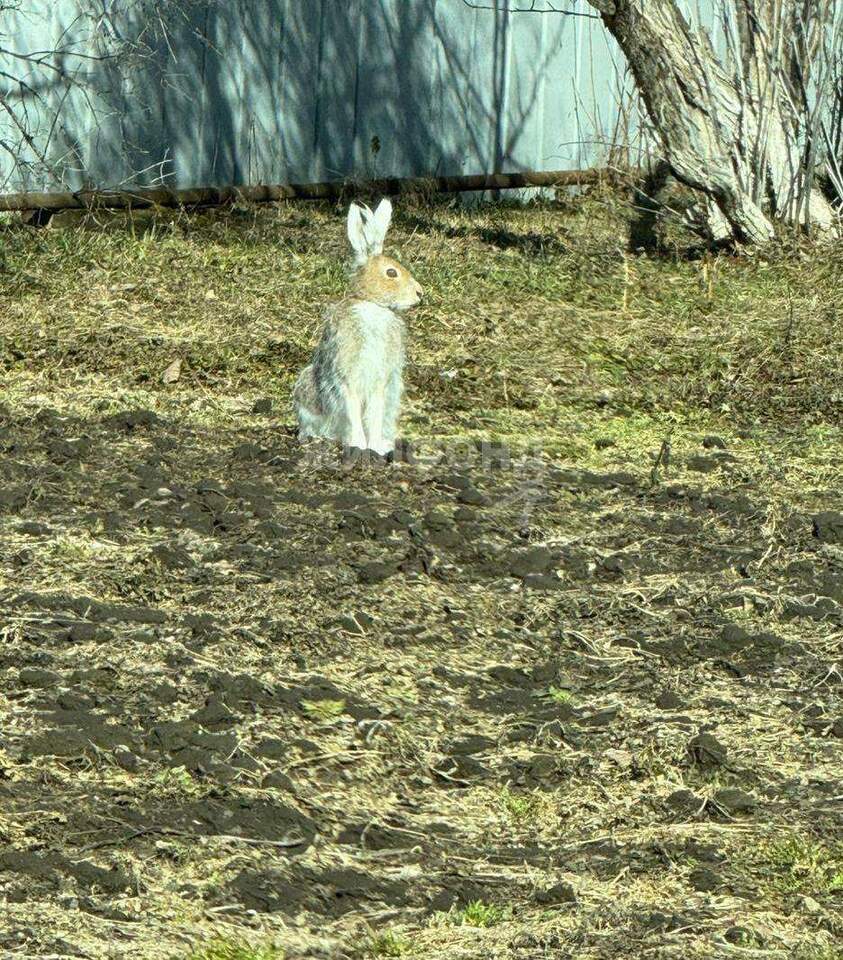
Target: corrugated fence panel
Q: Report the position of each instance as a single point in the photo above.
(216, 92)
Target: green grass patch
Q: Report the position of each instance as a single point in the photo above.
(388, 944)
(480, 914)
(801, 865)
(323, 710)
(536, 319)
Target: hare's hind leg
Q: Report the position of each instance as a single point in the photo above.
(310, 425)
(312, 422)
(336, 415)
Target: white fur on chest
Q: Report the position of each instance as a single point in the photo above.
(381, 344)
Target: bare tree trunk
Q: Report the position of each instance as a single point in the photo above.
(735, 131)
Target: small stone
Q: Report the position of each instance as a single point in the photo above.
(712, 442)
(810, 905)
(173, 372)
(262, 406)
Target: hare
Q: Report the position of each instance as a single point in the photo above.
(351, 391)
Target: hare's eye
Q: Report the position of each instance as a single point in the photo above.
(392, 272)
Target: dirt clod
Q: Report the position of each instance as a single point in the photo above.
(668, 700)
(707, 750)
(510, 693)
(828, 527)
(705, 880)
(558, 893)
(733, 800)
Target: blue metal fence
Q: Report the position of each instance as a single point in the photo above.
(219, 92)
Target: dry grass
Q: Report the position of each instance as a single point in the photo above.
(538, 311)
(236, 571)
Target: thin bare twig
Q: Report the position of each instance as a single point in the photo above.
(548, 7)
(663, 458)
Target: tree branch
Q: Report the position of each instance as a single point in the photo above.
(534, 7)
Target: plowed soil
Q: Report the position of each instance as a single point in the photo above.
(498, 698)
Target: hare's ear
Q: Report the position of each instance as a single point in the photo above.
(357, 234)
(381, 219)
